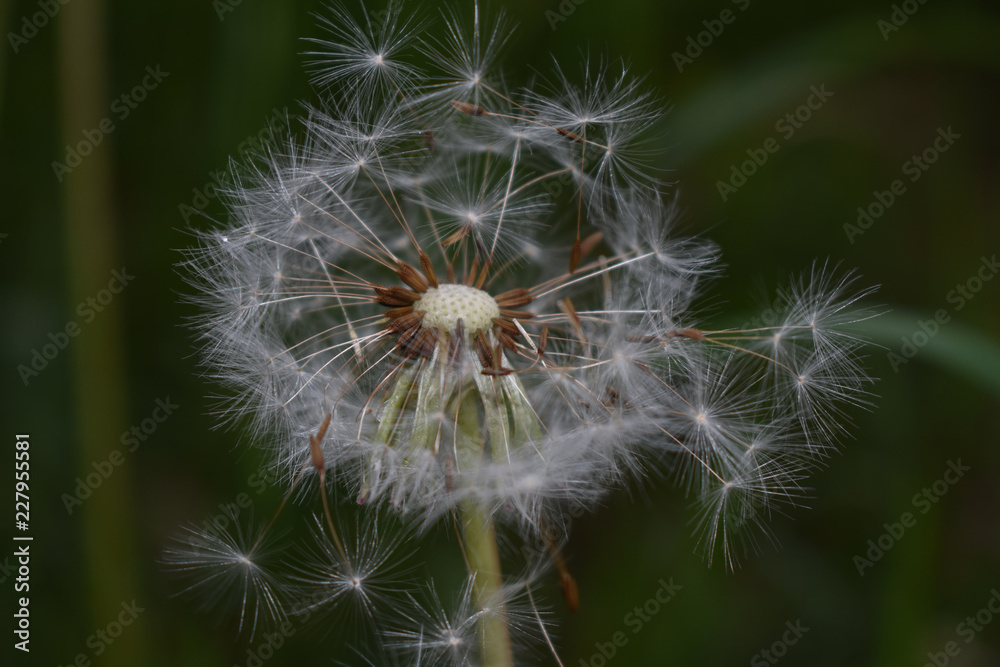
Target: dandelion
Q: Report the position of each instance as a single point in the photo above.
(465, 302)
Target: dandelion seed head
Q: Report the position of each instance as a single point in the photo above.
(483, 288)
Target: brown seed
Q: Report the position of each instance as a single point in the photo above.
(693, 334)
(322, 427)
(514, 298)
(516, 314)
(567, 307)
(572, 135)
(468, 109)
(485, 353)
(497, 370)
(611, 396)
(472, 272)
(406, 340)
(394, 296)
(406, 322)
(571, 311)
(506, 340)
(590, 243)
(570, 591)
(574, 256)
(424, 343)
(411, 277)
(457, 236)
(482, 275)
(393, 313)
(428, 267)
(507, 326)
(449, 473)
(543, 340)
(315, 450)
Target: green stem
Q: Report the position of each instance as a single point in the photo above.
(422, 395)
(481, 552)
(484, 562)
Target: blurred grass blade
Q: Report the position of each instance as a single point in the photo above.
(965, 351)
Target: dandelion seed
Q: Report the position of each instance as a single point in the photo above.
(359, 585)
(229, 568)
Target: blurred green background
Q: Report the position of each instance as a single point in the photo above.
(224, 69)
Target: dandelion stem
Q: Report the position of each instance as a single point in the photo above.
(481, 552)
(484, 561)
